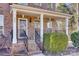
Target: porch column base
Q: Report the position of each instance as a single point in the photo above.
(13, 48)
(16, 47)
(32, 47)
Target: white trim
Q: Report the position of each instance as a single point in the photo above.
(78, 15)
(78, 24)
(19, 26)
(14, 27)
(49, 23)
(37, 4)
(41, 27)
(3, 23)
(67, 25)
(51, 5)
(58, 25)
(40, 11)
(40, 4)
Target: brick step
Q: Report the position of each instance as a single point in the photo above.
(34, 52)
(16, 48)
(32, 47)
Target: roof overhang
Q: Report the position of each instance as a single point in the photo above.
(39, 11)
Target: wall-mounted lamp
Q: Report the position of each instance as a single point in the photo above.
(22, 16)
(30, 20)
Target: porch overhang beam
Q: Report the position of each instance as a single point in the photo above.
(39, 11)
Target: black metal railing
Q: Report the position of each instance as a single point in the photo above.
(25, 40)
(37, 39)
(6, 41)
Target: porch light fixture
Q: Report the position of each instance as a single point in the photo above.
(22, 16)
(30, 20)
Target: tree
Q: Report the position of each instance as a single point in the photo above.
(69, 8)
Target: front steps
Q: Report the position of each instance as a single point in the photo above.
(16, 48)
(32, 48)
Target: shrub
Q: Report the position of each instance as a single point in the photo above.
(75, 39)
(46, 41)
(55, 42)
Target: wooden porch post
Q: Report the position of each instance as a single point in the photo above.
(41, 27)
(14, 27)
(67, 25)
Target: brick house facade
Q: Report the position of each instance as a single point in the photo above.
(30, 17)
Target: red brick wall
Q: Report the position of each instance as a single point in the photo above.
(5, 10)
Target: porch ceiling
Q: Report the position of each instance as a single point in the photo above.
(28, 14)
(36, 12)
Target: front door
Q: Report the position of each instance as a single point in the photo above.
(22, 28)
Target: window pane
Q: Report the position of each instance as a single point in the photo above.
(1, 23)
(25, 4)
(22, 28)
(37, 4)
(1, 30)
(49, 24)
(49, 5)
(1, 20)
(37, 25)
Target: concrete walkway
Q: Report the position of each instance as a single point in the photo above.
(73, 54)
(40, 54)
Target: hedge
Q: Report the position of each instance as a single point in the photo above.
(55, 42)
(75, 39)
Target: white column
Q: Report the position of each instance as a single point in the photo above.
(67, 25)
(14, 27)
(41, 27)
(77, 10)
(58, 25)
(78, 23)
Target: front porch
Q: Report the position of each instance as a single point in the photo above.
(33, 22)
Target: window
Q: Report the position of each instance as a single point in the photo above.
(1, 24)
(50, 5)
(49, 26)
(22, 28)
(37, 4)
(37, 24)
(23, 4)
(60, 25)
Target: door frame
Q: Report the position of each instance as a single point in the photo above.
(19, 26)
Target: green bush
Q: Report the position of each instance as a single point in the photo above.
(46, 41)
(55, 42)
(75, 39)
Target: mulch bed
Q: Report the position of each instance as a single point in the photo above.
(68, 51)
